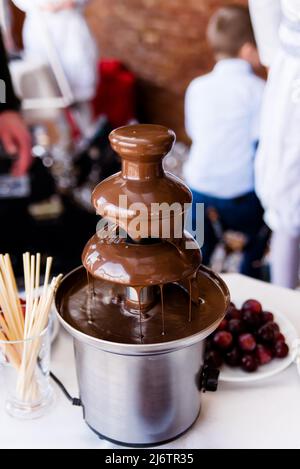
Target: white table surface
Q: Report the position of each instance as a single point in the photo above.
(264, 414)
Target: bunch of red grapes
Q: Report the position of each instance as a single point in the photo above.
(246, 338)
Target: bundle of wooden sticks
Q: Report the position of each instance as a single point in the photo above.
(21, 334)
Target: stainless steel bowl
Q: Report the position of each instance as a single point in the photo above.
(140, 394)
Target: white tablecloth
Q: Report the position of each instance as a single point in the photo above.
(264, 414)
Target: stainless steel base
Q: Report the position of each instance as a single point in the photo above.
(139, 400)
(136, 445)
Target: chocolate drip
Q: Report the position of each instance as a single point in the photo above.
(90, 297)
(162, 309)
(139, 292)
(191, 302)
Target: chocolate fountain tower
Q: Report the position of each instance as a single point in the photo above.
(142, 306)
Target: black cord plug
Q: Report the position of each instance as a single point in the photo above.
(74, 400)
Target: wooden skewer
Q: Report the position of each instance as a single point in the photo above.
(30, 281)
(13, 326)
(4, 326)
(11, 275)
(7, 310)
(38, 318)
(46, 281)
(27, 277)
(31, 290)
(9, 351)
(33, 317)
(11, 298)
(27, 288)
(39, 327)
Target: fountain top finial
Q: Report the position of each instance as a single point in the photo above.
(143, 143)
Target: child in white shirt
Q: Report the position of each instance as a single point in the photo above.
(222, 114)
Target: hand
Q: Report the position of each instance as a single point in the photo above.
(62, 5)
(16, 139)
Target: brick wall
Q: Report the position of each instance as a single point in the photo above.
(163, 42)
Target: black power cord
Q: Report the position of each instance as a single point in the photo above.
(74, 400)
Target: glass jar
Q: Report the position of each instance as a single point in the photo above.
(25, 385)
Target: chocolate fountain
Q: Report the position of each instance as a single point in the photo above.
(142, 305)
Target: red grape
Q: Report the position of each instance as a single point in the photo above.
(280, 338)
(249, 363)
(252, 305)
(223, 325)
(234, 314)
(269, 332)
(263, 354)
(223, 340)
(281, 350)
(247, 337)
(253, 320)
(247, 342)
(233, 358)
(236, 326)
(267, 317)
(230, 308)
(213, 359)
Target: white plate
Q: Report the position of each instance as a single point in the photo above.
(237, 375)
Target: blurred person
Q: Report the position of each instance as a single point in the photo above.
(277, 29)
(72, 41)
(5, 25)
(14, 135)
(16, 141)
(222, 114)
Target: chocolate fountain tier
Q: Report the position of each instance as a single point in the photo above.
(110, 322)
(154, 262)
(142, 180)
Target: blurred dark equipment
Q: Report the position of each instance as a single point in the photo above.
(114, 106)
(98, 155)
(94, 161)
(75, 175)
(15, 221)
(235, 243)
(64, 176)
(41, 181)
(6, 161)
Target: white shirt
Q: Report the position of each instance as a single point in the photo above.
(277, 166)
(222, 111)
(71, 41)
(275, 22)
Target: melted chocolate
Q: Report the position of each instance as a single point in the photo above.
(167, 320)
(141, 265)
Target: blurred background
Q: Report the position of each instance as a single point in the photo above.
(146, 53)
(163, 42)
